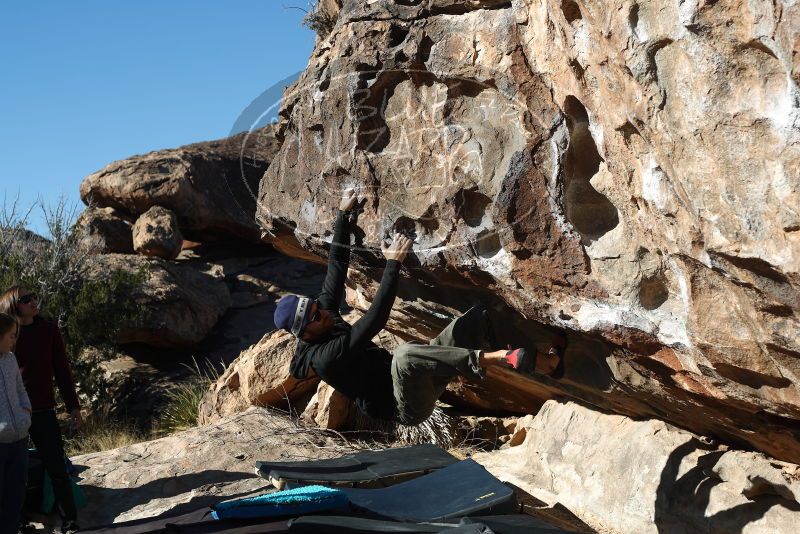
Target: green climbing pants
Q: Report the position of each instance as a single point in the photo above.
(420, 373)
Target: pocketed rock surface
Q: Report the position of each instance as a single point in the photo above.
(626, 171)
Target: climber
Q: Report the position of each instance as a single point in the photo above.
(403, 387)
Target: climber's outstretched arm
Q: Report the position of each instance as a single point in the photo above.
(339, 255)
(375, 319)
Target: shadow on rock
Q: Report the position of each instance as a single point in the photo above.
(682, 501)
(173, 495)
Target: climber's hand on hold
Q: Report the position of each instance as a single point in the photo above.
(349, 200)
(398, 249)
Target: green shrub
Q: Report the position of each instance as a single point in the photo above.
(183, 401)
(89, 312)
(93, 319)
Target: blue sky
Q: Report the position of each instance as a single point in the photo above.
(85, 83)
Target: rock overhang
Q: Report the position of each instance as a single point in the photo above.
(545, 164)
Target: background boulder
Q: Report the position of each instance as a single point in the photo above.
(106, 230)
(258, 377)
(156, 233)
(180, 302)
(328, 408)
(210, 185)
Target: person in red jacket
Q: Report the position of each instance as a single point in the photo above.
(42, 360)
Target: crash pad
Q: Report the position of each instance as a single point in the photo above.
(198, 521)
(293, 502)
(499, 524)
(461, 489)
(358, 468)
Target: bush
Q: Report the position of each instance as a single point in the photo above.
(183, 401)
(319, 20)
(89, 312)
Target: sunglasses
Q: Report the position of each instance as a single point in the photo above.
(26, 299)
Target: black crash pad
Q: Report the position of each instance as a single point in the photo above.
(195, 522)
(356, 525)
(360, 467)
(498, 524)
(461, 489)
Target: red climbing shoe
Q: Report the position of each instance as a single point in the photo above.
(520, 360)
(525, 362)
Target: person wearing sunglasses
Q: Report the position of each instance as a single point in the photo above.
(402, 386)
(42, 360)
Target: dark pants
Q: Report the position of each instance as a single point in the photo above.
(420, 373)
(13, 480)
(46, 436)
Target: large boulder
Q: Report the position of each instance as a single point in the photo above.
(258, 377)
(628, 172)
(622, 475)
(210, 186)
(105, 230)
(192, 469)
(156, 233)
(180, 302)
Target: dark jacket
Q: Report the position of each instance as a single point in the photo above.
(41, 357)
(347, 359)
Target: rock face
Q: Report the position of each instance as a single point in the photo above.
(328, 408)
(210, 186)
(199, 311)
(156, 233)
(181, 303)
(106, 230)
(192, 469)
(259, 377)
(621, 475)
(134, 390)
(628, 172)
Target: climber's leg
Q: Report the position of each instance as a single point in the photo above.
(471, 330)
(420, 374)
(474, 329)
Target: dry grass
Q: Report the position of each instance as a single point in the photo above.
(101, 433)
(436, 429)
(462, 451)
(319, 20)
